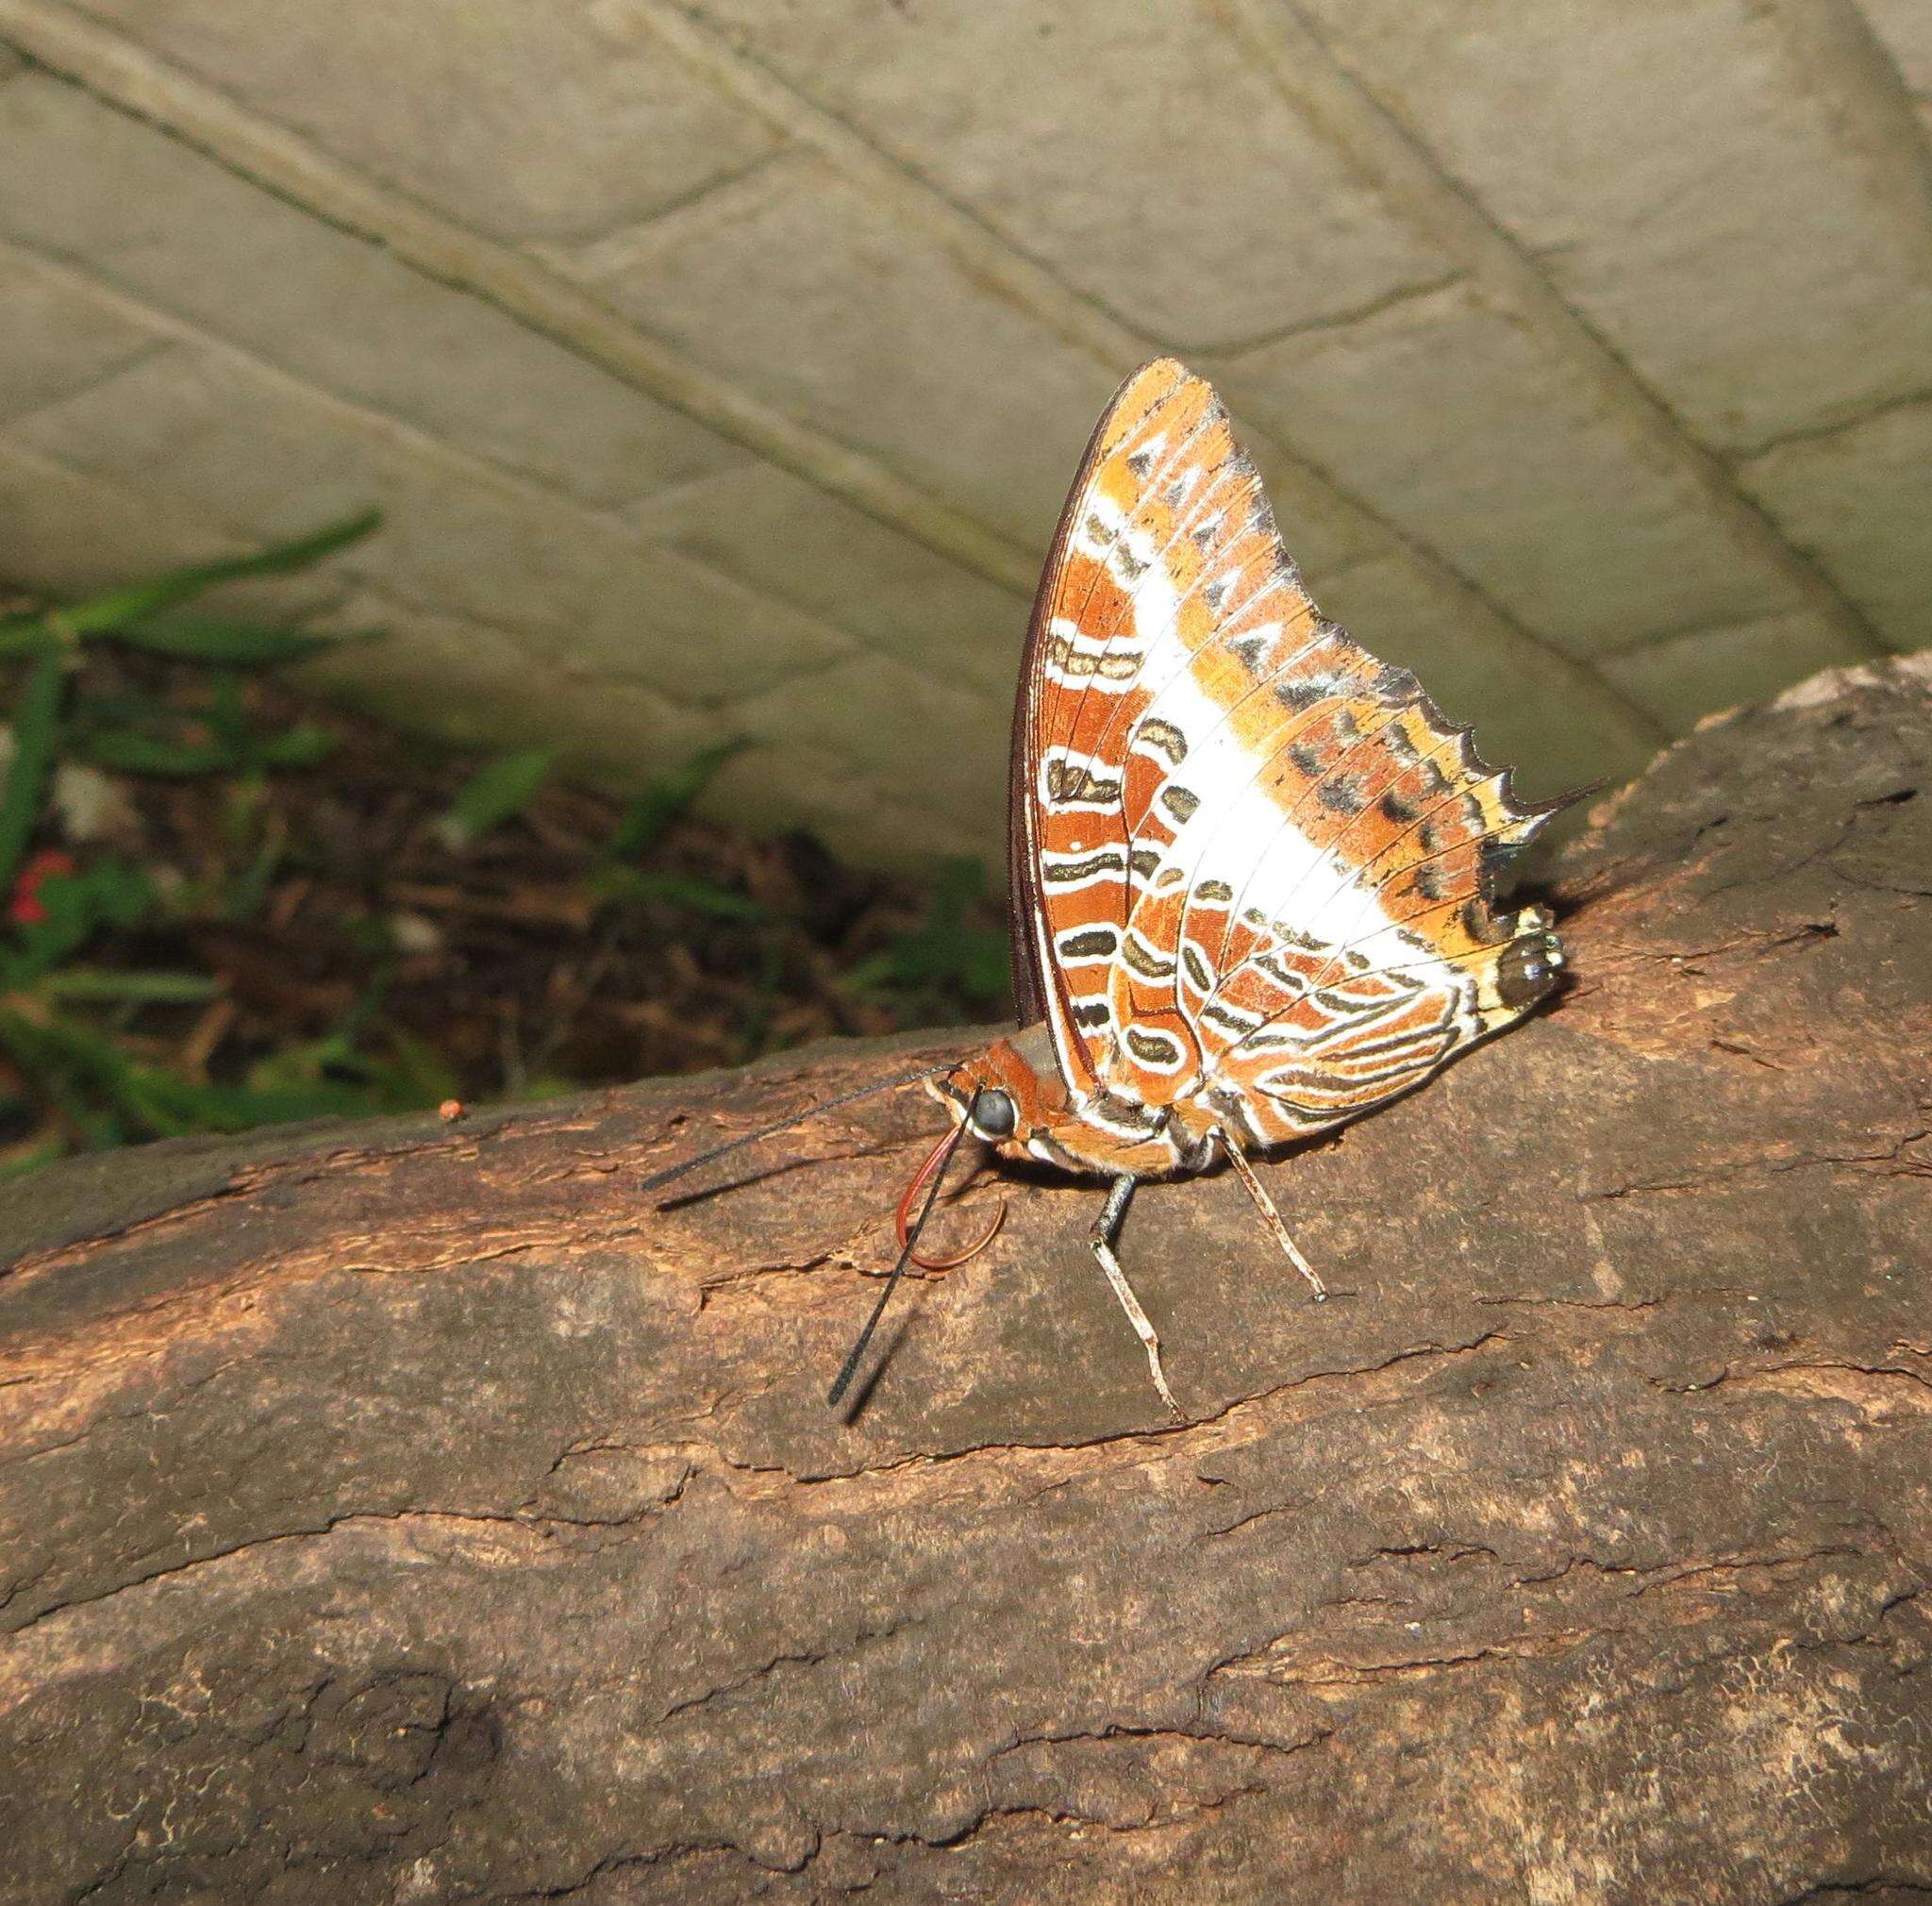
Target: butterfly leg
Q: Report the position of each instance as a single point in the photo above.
(1270, 1217)
(1107, 1229)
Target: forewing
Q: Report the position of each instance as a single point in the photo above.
(1082, 763)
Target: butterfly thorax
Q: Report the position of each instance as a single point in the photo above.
(1098, 1132)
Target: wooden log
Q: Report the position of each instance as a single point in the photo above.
(413, 1512)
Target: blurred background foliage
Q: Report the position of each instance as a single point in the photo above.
(226, 907)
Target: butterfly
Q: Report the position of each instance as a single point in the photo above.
(1252, 870)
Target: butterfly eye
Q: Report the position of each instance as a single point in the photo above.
(994, 1115)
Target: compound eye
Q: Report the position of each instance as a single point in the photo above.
(992, 1115)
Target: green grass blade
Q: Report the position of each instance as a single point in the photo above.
(622, 884)
(646, 817)
(77, 1064)
(62, 1075)
(32, 1160)
(112, 611)
(130, 751)
(22, 634)
(307, 745)
(36, 742)
(103, 984)
(216, 639)
(501, 788)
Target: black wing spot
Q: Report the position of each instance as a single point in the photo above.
(1090, 943)
(1139, 956)
(1067, 781)
(1250, 651)
(1299, 696)
(1164, 739)
(1156, 1048)
(1063, 872)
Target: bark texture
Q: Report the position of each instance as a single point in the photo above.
(414, 1514)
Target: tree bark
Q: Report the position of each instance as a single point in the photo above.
(411, 1513)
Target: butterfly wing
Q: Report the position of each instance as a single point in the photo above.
(1251, 862)
(1036, 986)
(1361, 949)
(1080, 692)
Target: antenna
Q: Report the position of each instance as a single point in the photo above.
(948, 1146)
(677, 1171)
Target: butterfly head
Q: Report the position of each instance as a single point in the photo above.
(1006, 1094)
